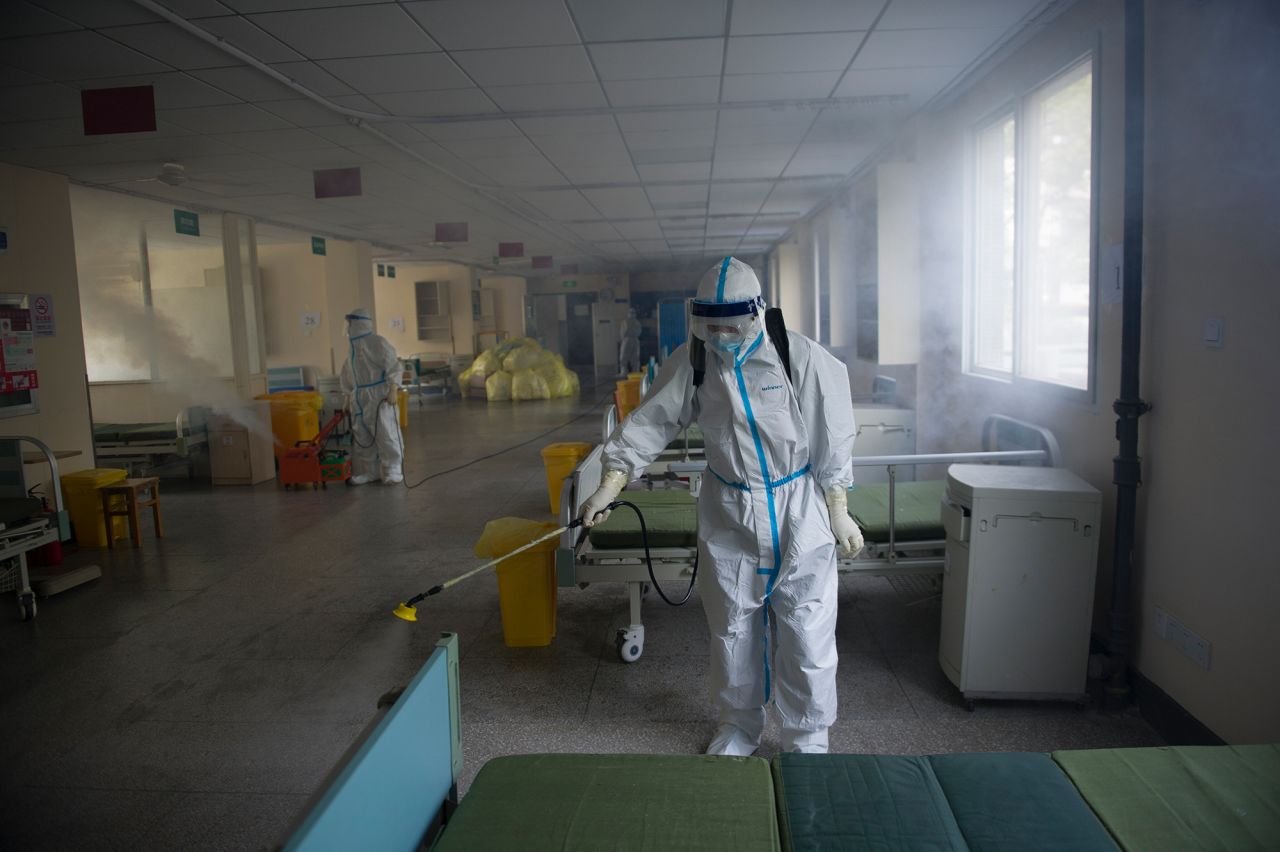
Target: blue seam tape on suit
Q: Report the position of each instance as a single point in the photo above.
(724, 269)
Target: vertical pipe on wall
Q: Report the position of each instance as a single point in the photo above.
(1129, 407)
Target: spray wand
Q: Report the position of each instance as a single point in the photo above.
(409, 612)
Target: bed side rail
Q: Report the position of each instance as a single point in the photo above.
(1000, 432)
(574, 491)
(610, 421)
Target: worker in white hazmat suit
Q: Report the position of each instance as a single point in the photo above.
(771, 511)
(629, 343)
(371, 380)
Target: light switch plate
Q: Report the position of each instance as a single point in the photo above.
(1214, 330)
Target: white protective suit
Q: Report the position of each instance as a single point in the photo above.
(765, 538)
(629, 343)
(371, 380)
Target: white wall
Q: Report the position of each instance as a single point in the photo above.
(294, 283)
(41, 258)
(396, 300)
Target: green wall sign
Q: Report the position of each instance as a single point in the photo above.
(186, 222)
(569, 283)
(317, 245)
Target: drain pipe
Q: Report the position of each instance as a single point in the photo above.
(1129, 407)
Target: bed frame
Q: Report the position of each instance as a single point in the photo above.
(579, 563)
(191, 432)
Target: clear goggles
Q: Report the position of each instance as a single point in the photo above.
(710, 321)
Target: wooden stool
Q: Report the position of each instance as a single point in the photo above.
(137, 493)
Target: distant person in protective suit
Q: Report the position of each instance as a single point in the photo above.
(772, 508)
(629, 343)
(371, 380)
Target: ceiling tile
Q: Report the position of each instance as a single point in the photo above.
(812, 52)
(549, 96)
(99, 13)
(918, 48)
(652, 156)
(313, 77)
(471, 24)
(347, 31)
(674, 171)
(562, 125)
(690, 90)
(469, 129)
(10, 76)
(223, 119)
(624, 203)
(597, 231)
(810, 166)
(647, 140)
(410, 72)
(736, 119)
(251, 39)
(24, 19)
(583, 173)
(175, 90)
(78, 55)
(918, 83)
(247, 6)
(171, 45)
(359, 102)
(688, 119)
(482, 149)
(341, 134)
(730, 169)
(643, 60)
(669, 196)
(753, 17)
(920, 14)
(775, 87)
(626, 20)
(191, 9)
(520, 66)
(645, 230)
(33, 103)
(245, 83)
(586, 147)
(521, 171)
(562, 205)
(304, 113)
(267, 141)
(441, 102)
(741, 152)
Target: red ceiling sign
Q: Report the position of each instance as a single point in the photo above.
(568, 269)
(542, 261)
(337, 183)
(510, 249)
(451, 232)
(127, 109)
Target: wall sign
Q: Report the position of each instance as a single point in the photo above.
(569, 283)
(17, 351)
(42, 315)
(391, 271)
(317, 245)
(186, 222)
(382, 270)
(310, 320)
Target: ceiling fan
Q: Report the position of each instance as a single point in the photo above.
(175, 175)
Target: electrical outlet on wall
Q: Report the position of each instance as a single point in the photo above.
(1194, 647)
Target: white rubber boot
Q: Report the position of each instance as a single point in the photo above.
(733, 741)
(805, 742)
(360, 479)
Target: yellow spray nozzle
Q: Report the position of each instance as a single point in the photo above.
(406, 612)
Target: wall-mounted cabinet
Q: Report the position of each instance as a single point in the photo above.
(886, 265)
(432, 301)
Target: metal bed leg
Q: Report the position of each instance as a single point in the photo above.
(630, 640)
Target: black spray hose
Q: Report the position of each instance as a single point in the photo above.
(648, 559)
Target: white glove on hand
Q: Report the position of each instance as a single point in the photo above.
(847, 534)
(393, 396)
(593, 511)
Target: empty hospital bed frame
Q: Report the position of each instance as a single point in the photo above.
(153, 443)
(914, 544)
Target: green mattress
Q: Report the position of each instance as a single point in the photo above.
(1193, 797)
(670, 515)
(991, 802)
(917, 513)
(618, 802)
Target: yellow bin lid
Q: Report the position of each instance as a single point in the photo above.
(94, 477)
(567, 449)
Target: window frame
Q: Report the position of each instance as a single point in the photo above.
(1015, 107)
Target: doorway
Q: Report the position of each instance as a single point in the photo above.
(581, 347)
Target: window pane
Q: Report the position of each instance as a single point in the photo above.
(1054, 340)
(993, 248)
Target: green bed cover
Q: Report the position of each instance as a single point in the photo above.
(617, 802)
(1191, 797)
(917, 511)
(1008, 802)
(671, 516)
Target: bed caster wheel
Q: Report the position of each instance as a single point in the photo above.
(27, 606)
(630, 644)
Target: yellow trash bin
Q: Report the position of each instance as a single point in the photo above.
(84, 504)
(526, 582)
(403, 399)
(560, 460)
(295, 416)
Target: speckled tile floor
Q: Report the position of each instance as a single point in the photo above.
(201, 690)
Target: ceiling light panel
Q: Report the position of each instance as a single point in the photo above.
(626, 20)
(410, 72)
(347, 31)
(520, 66)
(642, 60)
(474, 24)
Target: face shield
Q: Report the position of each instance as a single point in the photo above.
(725, 326)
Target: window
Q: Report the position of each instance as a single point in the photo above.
(1031, 234)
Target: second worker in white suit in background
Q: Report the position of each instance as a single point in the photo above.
(371, 381)
(771, 511)
(629, 343)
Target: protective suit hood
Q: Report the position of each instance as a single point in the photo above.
(726, 312)
(359, 323)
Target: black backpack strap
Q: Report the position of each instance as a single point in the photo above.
(777, 330)
(698, 359)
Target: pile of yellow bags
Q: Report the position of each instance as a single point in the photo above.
(520, 369)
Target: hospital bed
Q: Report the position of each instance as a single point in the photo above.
(902, 522)
(395, 790)
(25, 523)
(149, 445)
